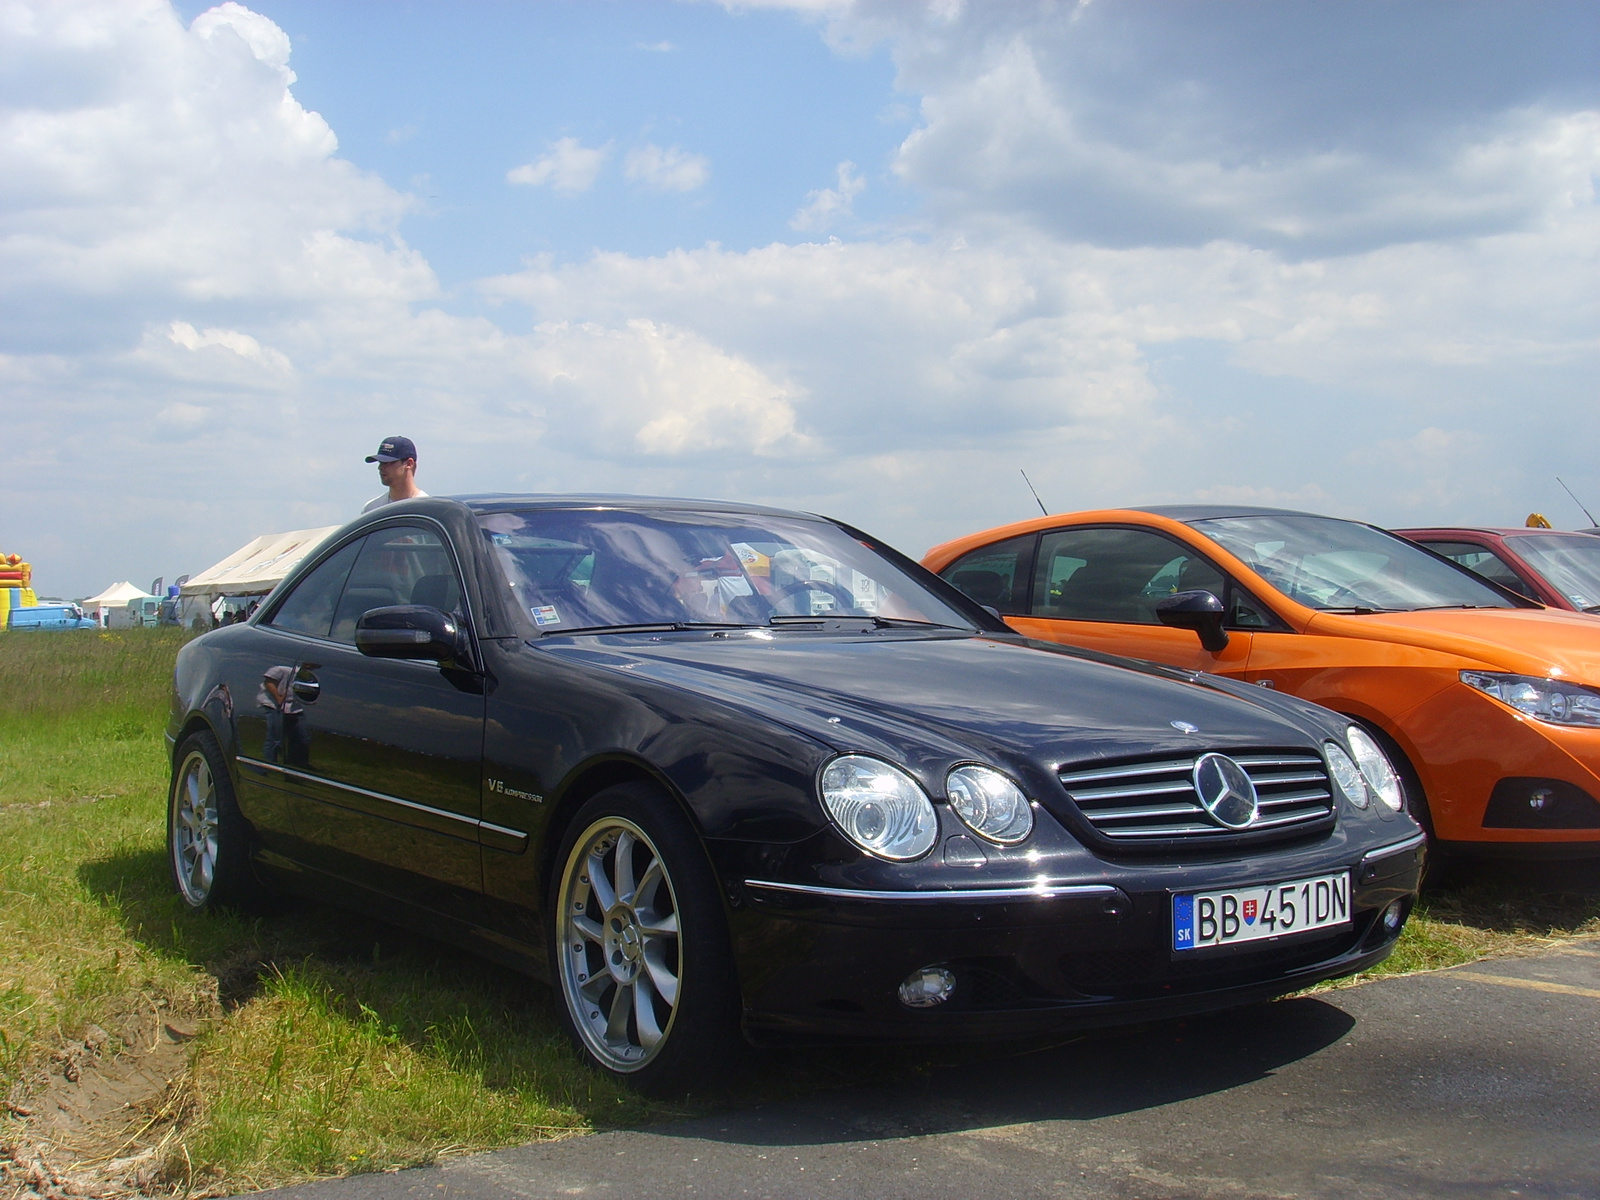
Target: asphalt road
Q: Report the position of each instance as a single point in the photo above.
(1483, 1081)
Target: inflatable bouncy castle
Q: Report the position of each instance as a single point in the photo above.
(16, 577)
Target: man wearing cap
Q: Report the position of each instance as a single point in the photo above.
(397, 467)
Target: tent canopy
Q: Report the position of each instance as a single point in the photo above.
(257, 566)
(116, 596)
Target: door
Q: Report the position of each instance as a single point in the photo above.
(260, 662)
(390, 751)
(1098, 586)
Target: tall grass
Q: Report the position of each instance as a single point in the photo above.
(326, 1044)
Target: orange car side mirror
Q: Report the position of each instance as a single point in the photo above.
(1199, 611)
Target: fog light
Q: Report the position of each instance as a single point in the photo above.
(1393, 916)
(1540, 799)
(927, 987)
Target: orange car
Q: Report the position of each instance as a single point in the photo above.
(1488, 702)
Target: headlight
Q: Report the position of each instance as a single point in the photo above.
(879, 807)
(1347, 776)
(1546, 699)
(989, 804)
(1376, 768)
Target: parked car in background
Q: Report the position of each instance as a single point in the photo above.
(706, 766)
(50, 616)
(141, 612)
(1556, 567)
(1488, 702)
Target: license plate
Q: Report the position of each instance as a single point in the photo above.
(1250, 914)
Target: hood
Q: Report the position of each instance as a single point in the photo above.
(1524, 641)
(929, 700)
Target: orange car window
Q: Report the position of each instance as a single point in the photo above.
(1335, 565)
(1110, 574)
(996, 575)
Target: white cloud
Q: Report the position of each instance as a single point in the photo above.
(669, 169)
(645, 388)
(569, 168)
(826, 205)
(1161, 125)
(175, 162)
(1134, 283)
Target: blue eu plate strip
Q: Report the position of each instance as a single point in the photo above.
(1183, 922)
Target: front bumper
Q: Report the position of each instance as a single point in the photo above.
(1476, 754)
(828, 962)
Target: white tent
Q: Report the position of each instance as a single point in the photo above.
(115, 596)
(256, 567)
(113, 600)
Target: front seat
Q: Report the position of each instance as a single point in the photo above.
(437, 591)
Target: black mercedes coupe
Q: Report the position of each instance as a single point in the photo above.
(713, 769)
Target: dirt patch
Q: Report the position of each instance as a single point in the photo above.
(98, 1118)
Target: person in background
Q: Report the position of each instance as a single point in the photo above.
(397, 467)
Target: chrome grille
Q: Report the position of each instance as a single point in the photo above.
(1155, 799)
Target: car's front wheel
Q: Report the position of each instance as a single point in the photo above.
(640, 944)
(207, 837)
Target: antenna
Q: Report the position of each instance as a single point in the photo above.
(1046, 511)
(1578, 502)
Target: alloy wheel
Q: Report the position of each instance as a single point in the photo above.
(619, 952)
(194, 830)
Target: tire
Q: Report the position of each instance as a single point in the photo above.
(639, 948)
(208, 839)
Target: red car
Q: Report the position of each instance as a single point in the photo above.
(1553, 566)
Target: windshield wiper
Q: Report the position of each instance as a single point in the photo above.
(1358, 610)
(909, 623)
(783, 619)
(651, 627)
(1442, 607)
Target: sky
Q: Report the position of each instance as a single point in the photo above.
(870, 259)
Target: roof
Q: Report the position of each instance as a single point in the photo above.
(506, 501)
(1512, 531)
(117, 594)
(258, 565)
(1209, 512)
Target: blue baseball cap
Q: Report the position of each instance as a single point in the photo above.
(394, 449)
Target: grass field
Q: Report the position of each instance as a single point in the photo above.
(250, 1053)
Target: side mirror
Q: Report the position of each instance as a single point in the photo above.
(1199, 611)
(410, 631)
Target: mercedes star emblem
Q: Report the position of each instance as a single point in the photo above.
(1225, 791)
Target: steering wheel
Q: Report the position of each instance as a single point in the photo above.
(846, 601)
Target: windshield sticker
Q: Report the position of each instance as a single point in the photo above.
(545, 614)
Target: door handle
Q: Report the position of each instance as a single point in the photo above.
(306, 689)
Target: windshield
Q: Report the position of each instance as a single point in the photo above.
(588, 569)
(1571, 565)
(1338, 565)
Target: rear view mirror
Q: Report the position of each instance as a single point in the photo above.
(1199, 611)
(410, 631)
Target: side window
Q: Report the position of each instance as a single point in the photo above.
(1115, 575)
(1484, 561)
(1245, 613)
(309, 607)
(996, 575)
(405, 564)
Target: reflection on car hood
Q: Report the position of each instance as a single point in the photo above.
(924, 697)
(1524, 641)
